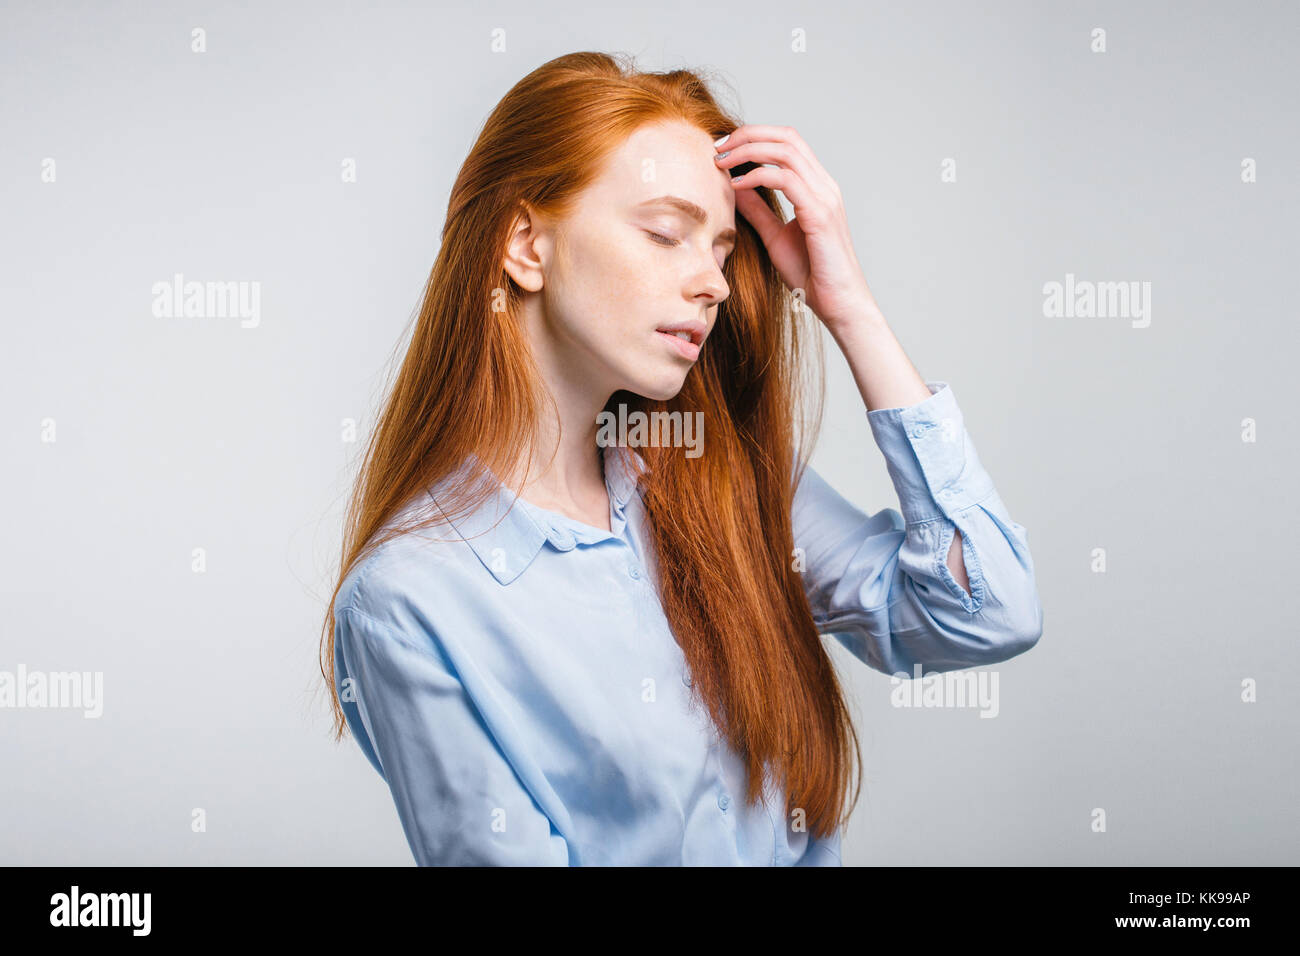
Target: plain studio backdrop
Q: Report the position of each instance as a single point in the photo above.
(984, 152)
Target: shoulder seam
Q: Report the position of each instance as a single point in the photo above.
(393, 633)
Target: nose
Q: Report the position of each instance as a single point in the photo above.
(711, 284)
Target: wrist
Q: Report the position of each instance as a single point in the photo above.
(865, 320)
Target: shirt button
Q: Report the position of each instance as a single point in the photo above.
(634, 571)
(686, 679)
(918, 432)
(724, 801)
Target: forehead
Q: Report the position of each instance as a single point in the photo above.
(667, 159)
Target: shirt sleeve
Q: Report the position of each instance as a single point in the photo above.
(880, 583)
(459, 800)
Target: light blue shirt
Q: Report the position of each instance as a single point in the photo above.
(519, 689)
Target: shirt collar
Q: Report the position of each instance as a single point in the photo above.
(506, 532)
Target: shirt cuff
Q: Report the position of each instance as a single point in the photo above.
(930, 456)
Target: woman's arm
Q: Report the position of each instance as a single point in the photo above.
(948, 582)
(878, 582)
(459, 800)
(886, 378)
(813, 253)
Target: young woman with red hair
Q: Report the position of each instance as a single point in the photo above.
(558, 650)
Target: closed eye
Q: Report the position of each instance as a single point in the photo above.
(669, 241)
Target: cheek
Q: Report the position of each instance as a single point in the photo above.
(614, 286)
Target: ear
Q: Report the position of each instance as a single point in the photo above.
(526, 245)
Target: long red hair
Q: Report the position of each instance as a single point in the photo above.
(719, 523)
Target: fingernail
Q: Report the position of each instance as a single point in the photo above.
(719, 142)
(723, 155)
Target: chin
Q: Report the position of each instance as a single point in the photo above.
(660, 388)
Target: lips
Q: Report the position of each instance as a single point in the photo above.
(681, 344)
(692, 332)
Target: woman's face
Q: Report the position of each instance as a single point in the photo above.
(641, 252)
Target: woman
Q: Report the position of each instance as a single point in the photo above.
(557, 649)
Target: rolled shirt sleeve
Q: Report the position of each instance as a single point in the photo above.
(880, 584)
(458, 798)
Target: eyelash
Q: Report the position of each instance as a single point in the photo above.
(669, 241)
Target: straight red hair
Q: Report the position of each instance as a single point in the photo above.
(720, 523)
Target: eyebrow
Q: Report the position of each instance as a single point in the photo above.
(698, 213)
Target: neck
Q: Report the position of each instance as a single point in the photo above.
(567, 471)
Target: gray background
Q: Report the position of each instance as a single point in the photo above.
(181, 433)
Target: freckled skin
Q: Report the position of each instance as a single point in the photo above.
(599, 282)
(607, 284)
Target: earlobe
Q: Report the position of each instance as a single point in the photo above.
(526, 272)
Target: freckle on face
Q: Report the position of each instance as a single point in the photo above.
(613, 285)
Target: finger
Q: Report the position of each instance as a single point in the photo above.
(806, 205)
(784, 155)
(759, 215)
(750, 133)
